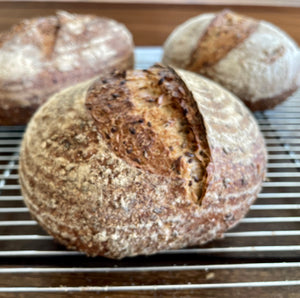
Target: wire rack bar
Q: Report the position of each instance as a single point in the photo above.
(150, 287)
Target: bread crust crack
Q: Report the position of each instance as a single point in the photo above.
(152, 122)
(225, 32)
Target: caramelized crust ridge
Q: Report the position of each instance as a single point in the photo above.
(150, 119)
(225, 32)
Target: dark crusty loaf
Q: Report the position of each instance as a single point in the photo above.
(253, 59)
(43, 55)
(141, 161)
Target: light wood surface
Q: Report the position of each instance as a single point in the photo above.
(150, 24)
(282, 3)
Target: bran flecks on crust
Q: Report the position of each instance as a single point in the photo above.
(103, 201)
(149, 119)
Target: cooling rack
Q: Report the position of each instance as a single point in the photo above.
(259, 256)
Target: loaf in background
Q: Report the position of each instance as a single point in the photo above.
(40, 56)
(141, 161)
(253, 59)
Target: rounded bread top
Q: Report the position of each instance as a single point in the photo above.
(84, 170)
(41, 55)
(263, 64)
(180, 44)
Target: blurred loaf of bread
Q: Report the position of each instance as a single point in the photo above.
(254, 59)
(43, 55)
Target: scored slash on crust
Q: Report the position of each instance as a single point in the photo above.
(92, 198)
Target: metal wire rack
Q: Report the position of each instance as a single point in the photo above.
(262, 252)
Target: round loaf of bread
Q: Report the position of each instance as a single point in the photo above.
(40, 56)
(141, 161)
(253, 59)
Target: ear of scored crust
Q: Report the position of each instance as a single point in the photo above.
(238, 156)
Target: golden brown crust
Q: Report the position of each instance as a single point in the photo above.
(150, 120)
(225, 32)
(91, 198)
(54, 52)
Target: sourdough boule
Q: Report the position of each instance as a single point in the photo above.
(254, 59)
(43, 55)
(141, 161)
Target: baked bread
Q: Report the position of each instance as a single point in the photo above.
(141, 161)
(40, 56)
(253, 59)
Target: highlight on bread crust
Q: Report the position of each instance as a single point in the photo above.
(141, 161)
(254, 59)
(40, 56)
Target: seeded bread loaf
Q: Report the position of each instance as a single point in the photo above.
(254, 59)
(141, 161)
(43, 55)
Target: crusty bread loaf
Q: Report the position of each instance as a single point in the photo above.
(141, 161)
(253, 59)
(43, 55)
